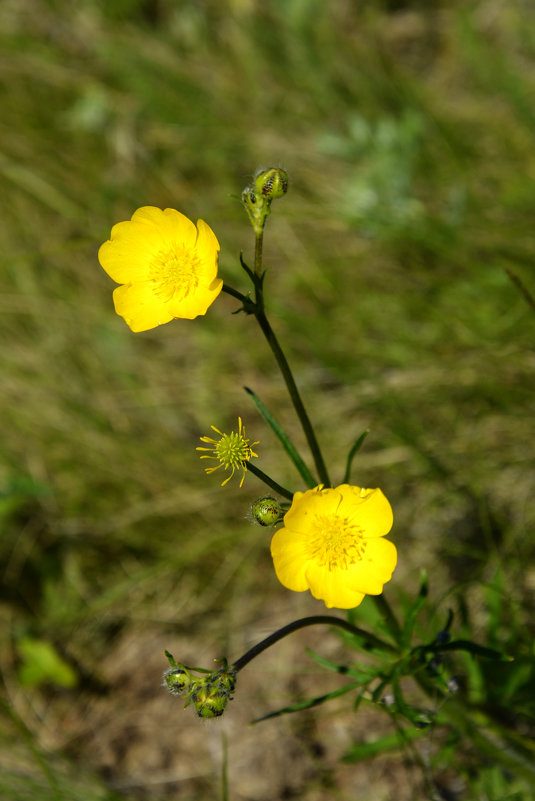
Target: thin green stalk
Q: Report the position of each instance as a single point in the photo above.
(269, 481)
(224, 767)
(281, 360)
(313, 620)
(256, 307)
(235, 293)
(259, 243)
(299, 407)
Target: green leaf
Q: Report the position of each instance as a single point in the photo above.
(288, 446)
(309, 702)
(351, 455)
(464, 645)
(415, 608)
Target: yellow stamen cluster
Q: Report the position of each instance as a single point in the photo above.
(232, 451)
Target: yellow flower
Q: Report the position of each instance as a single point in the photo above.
(332, 544)
(232, 451)
(167, 265)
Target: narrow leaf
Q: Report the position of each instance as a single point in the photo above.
(307, 704)
(352, 453)
(288, 446)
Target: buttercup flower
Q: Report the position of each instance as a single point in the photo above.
(332, 545)
(167, 267)
(232, 451)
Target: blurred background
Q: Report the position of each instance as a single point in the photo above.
(397, 262)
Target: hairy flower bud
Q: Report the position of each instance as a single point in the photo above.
(256, 198)
(211, 694)
(267, 511)
(272, 183)
(178, 681)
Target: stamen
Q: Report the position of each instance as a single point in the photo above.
(174, 272)
(335, 542)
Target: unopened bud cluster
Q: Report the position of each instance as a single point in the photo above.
(209, 694)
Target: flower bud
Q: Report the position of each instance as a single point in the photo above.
(257, 197)
(178, 681)
(211, 694)
(209, 703)
(266, 511)
(272, 183)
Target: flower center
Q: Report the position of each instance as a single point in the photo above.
(232, 450)
(335, 542)
(174, 272)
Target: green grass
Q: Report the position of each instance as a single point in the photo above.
(408, 137)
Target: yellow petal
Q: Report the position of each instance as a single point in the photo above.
(140, 307)
(289, 560)
(127, 258)
(179, 228)
(306, 505)
(207, 243)
(372, 512)
(369, 574)
(133, 245)
(195, 303)
(331, 587)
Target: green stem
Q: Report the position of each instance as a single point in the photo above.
(299, 407)
(259, 243)
(269, 481)
(256, 307)
(281, 360)
(235, 293)
(313, 620)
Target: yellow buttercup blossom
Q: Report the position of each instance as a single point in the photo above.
(232, 451)
(167, 267)
(332, 544)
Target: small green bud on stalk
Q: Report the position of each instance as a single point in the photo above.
(272, 183)
(256, 198)
(267, 511)
(178, 681)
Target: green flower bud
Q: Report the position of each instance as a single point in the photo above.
(178, 681)
(257, 197)
(211, 695)
(271, 183)
(209, 703)
(267, 511)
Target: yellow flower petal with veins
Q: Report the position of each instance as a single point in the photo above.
(167, 267)
(331, 544)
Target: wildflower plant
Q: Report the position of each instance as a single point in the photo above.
(330, 538)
